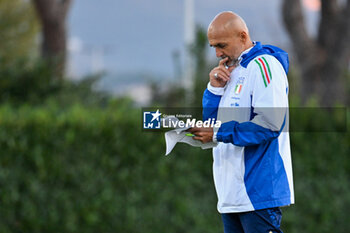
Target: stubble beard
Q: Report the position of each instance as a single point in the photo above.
(232, 61)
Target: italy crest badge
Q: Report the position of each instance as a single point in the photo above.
(238, 88)
(239, 85)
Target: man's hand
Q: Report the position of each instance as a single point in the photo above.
(204, 134)
(220, 75)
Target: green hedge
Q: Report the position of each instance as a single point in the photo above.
(85, 169)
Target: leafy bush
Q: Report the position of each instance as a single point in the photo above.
(88, 169)
(93, 170)
(30, 82)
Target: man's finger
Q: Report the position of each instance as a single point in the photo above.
(223, 61)
(226, 71)
(201, 134)
(193, 130)
(222, 76)
(198, 138)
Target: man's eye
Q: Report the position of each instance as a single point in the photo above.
(221, 46)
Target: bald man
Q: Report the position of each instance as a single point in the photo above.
(248, 93)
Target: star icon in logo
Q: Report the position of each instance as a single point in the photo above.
(156, 115)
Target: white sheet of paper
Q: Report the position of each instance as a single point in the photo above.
(172, 137)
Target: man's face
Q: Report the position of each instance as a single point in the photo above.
(226, 45)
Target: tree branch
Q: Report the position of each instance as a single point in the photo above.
(52, 14)
(330, 15)
(50, 11)
(343, 34)
(66, 6)
(294, 22)
(44, 9)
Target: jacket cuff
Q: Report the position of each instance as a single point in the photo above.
(216, 90)
(215, 133)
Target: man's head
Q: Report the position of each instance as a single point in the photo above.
(229, 35)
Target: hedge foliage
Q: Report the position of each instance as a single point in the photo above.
(89, 169)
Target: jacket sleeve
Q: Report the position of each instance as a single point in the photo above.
(269, 106)
(211, 99)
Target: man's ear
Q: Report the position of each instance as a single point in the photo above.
(243, 36)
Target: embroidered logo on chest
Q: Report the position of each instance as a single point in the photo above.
(239, 85)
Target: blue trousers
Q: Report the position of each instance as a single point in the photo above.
(258, 221)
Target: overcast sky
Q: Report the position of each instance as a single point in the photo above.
(122, 36)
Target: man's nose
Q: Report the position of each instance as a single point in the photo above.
(218, 52)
